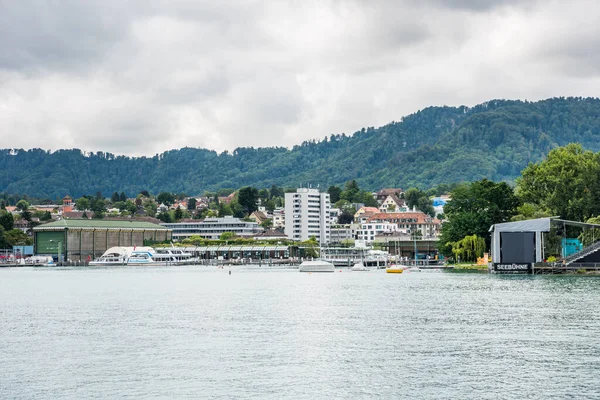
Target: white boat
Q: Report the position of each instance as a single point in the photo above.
(113, 256)
(348, 256)
(316, 266)
(39, 261)
(172, 255)
(359, 266)
(142, 257)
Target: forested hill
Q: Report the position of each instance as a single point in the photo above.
(436, 145)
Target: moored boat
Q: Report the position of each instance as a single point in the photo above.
(359, 266)
(172, 255)
(113, 256)
(142, 257)
(395, 269)
(316, 266)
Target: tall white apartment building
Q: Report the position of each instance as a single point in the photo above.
(307, 213)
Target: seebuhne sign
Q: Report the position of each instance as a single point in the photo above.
(512, 267)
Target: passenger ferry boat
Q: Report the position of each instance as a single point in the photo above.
(113, 256)
(160, 256)
(349, 256)
(141, 257)
(172, 255)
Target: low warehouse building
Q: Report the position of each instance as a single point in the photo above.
(76, 239)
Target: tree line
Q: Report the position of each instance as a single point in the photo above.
(436, 145)
(565, 184)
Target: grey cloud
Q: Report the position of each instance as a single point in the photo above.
(57, 34)
(140, 77)
(478, 5)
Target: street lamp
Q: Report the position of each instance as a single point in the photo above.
(58, 249)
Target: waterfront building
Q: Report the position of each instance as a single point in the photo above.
(308, 214)
(414, 222)
(212, 228)
(279, 218)
(368, 231)
(76, 239)
(341, 233)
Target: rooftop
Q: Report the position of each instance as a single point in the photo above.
(98, 223)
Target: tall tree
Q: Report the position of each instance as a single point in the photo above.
(334, 194)
(115, 197)
(178, 214)
(474, 208)
(23, 206)
(566, 183)
(276, 191)
(248, 199)
(7, 220)
(191, 203)
(165, 198)
(122, 197)
(351, 192)
(82, 204)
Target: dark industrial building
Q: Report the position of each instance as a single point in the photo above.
(78, 239)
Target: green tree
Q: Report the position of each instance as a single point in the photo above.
(351, 192)
(115, 197)
(473, 209)
(248, 199)
(22, 205)
(227, 236)
(468, 248)
(334, 194)
(16, 237)
(347, 212)
(7, 220)
(565, 183)
(82, 204)
(225, 209)
(178, 214)
(122, 197)
(267, 223)
(148, 205)
(165, 217)
(165, 198)
(191, 203)
(420, 200)
(368, 199)
(276, 191)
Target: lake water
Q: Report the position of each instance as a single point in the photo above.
(198, 332)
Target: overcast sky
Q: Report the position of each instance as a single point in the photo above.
(142, 77)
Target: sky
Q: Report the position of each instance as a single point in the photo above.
(144, 76)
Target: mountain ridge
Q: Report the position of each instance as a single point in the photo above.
(438, 144)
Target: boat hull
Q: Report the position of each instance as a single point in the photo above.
(316, 266)
(394, 270)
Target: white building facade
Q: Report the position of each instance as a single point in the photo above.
(212, 228)
(369, 231)
(307, 213)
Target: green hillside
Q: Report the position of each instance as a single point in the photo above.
(495, 140)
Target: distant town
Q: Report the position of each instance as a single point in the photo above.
(337, 217)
